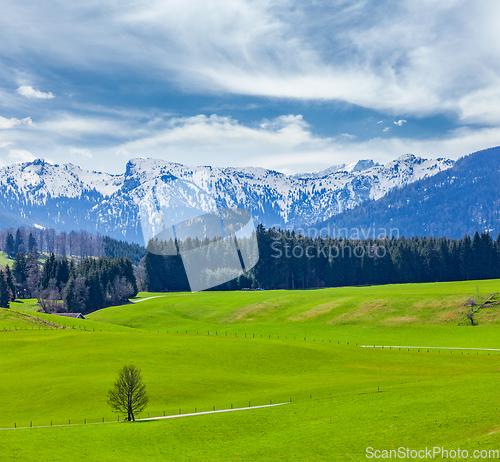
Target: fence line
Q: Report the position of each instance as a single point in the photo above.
(268, 336)
(303, 397)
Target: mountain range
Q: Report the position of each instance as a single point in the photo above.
(460, 200)
(65, 197)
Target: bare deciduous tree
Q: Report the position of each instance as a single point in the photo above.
(128, 394)
(472, 303)
(121, 290)
(140, 275)
(48, 299)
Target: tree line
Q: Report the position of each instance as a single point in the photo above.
(63, 285)
(293, 261)
(78, 244)
(287, 260)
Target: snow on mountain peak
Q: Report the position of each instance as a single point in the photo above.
(66, 197)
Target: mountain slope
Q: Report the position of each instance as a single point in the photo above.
(66, 197)
(460, 200)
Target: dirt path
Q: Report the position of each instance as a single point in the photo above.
(156, 296)
(149, 298)
(148, 418)
(213, 412)
(423, 348)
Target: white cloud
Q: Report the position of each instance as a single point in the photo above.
(79, 152)
(20, 155)
(30, 92)
(481, 106)
(330, 152)
(420, 58)
(287, 144)
(399, 122)
(188, 139)
(380, 122)
(13, 156)
(67, 125)
(4, 144)
(10, 123)
(386, 129)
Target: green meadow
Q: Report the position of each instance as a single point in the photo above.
(5, 260)
(404, 314)
(301, 348)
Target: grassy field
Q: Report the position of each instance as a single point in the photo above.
(330, 429)
(406, 314)
(5, 260)
(343, 398)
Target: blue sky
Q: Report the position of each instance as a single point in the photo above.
(289, 85)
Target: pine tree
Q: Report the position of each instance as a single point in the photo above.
(33, 275)
(351, 278)
(477, 262)
(497, 256)
(62, 272)
(367, 268)
(466, 258)
(4, 291)
(18, 242)
(155, 272)
(31, 243)
(69, 297)
(20, 274)
(49, 271)
(127, 270)
(487, 256)
(75, 295)
(96, 298)
(384, 267)
(10, 283)
(9, 245)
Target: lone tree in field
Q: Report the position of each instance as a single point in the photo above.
(128, 395)
(472, 303)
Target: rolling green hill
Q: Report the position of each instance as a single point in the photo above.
(344, 398)
(336, 411)
(425, 313)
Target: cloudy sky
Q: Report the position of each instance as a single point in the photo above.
(290, 85)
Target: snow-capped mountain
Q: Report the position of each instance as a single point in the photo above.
(358, 166)
(66, 197)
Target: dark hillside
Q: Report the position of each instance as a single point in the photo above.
(452, 203)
